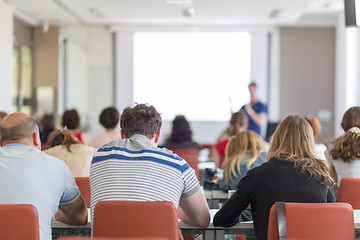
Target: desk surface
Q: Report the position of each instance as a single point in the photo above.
(182, 225)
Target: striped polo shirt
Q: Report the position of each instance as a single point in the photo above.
(133, 169)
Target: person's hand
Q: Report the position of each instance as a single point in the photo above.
(181, 237)
(249, 109)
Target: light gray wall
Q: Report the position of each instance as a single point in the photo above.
(307, 74)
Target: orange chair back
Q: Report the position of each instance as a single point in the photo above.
(135, 219)
(349, 192)
(84, 187)
(315, 221)
(19, 221)
(191, 156)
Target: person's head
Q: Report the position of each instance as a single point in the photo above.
(294, 141)
(351, 118)
(347, 146)
(142, 119)
(314, 123)
(181, 129)
(48, 122)
(238, 122)
(245, 146)
(2, 115)
(109, 118)
(62, 137)
(252, 89)
(20, 128)
(71, 119)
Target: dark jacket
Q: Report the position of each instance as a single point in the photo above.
(274, 181)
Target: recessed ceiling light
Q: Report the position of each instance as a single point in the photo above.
(275, 13)
(188, 12)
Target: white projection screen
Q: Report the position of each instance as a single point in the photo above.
(202, 75)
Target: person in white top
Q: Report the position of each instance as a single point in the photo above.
(344, 152)
(320, 148)
(109, 118)
(65, 146)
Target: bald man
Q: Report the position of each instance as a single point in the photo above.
(29, 176)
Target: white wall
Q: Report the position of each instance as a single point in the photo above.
(6, 53)
(89, 73)
(100, 75)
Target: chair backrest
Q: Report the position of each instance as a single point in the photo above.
(191, 155)
(135, 219)
(19, 221)
(84, 187)
(315, 221)
(349, 192)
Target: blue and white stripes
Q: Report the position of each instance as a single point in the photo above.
(134, 170)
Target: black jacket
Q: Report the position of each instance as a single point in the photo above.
(274, 181)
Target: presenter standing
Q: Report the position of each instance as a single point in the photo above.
(255, 110)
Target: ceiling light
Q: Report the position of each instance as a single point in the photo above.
(96, 13)
(188, 12)
(275, 13)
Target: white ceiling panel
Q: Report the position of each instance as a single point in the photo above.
(159, 12)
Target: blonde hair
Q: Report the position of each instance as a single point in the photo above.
(62, 137)
(245, 146)
(294, 141)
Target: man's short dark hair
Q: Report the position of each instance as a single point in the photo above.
(23, 130)
(71, 119)
(252, 83)
(109, 117)
(141, 119)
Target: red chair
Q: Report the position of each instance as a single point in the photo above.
(349, 192)
(314, 221)
(191, 155)
(84, 187)
(135, 219)
(19, 221)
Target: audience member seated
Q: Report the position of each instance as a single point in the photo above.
(48, 123)
(244, 151)
(238, 122)
(109, 119)
(30, 176)
(292, 174)
(345, 150)
(71, 120)
(157, 174)
(65, 146)
(2, 115)
(320, 148)
(181, 134)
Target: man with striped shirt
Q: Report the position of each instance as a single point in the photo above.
(135, 169)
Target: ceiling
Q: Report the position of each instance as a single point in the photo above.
(160, 12)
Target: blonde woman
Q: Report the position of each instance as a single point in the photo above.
(345, 151)
(244, 151)
(238, 122)
(292, 174)
(65, 146)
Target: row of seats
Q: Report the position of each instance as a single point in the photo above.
(125, 219)
(158, 220)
